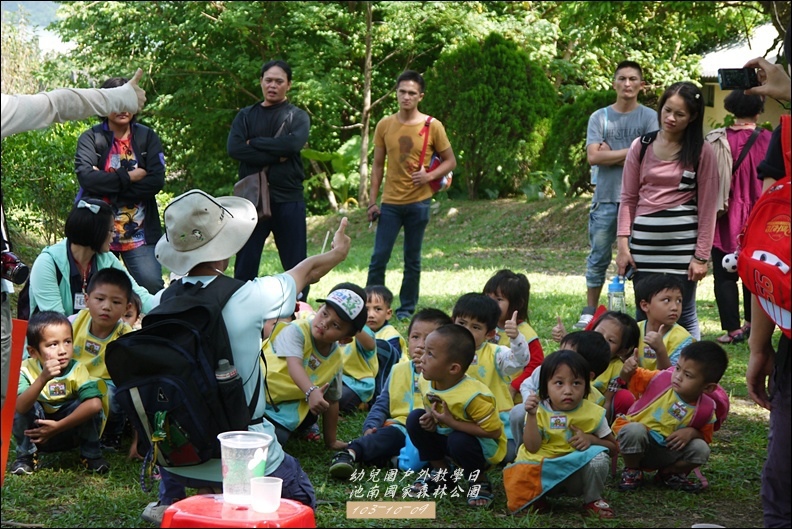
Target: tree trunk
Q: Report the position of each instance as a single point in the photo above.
(326, 184)
(366, 114)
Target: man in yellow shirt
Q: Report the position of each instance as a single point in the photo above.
(407, 194)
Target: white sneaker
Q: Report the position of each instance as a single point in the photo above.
(585, 319)
(154, 512)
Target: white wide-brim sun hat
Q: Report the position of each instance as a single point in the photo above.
(200, 228)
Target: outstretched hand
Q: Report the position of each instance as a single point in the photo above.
(559, 331)
(341, 241)
(141, 94)
(511, 327)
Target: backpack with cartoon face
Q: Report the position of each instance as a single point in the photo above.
(763, 246)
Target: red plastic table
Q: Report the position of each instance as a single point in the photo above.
(209, 510)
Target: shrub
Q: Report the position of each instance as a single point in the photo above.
(496, 106)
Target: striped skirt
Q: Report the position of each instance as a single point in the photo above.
(664, 242)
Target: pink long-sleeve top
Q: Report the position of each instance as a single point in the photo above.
(654, 186)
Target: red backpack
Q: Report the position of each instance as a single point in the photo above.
(764, 248)
(718, 401)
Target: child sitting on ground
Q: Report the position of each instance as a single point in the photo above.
(512, 292)
(566, 440)
(391, 347)
(621, 332)
(303, 367)
(107, 299)
(360, 366)
(593, 348)
(58, 404)
(670, 427)
(493, 364)
(384, 431)
(662, 338)
(458, 419)
(134, 314)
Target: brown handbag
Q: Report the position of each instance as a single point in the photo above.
(255, 186)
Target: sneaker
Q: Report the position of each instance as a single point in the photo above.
(678, 482)
(631, 479)
(585, 318)
(110, 442)
(97, 464)
(154, 512)
(403, 317)
(343, 465)
(25, 465)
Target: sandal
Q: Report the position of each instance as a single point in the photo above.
(599, 508)
(484, 493)
(736, 336)
(746, 329)
(424, 486)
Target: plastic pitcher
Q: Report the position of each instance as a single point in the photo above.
(244, 456)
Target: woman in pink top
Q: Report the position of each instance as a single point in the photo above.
(668, 200)
(744, 192)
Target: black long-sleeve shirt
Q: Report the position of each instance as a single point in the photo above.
(259, 124)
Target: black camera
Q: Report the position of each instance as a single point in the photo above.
(737, 78)
(14, 269)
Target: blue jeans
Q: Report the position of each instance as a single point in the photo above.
(287, 225)
(142, 264)
(602, 235)
(414, 217)
(117, 418)
(85, 435)
(378, 448)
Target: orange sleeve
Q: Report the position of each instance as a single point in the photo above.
(640, 380)
(706, 433)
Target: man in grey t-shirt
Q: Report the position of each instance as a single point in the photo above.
(610, 132)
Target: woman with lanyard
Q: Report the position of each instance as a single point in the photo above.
(666, 219)
(60, 275)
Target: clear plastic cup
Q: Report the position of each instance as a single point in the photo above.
(265, 494)
(244, 456)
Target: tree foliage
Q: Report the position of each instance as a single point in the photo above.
(495, 104)
(202, 62)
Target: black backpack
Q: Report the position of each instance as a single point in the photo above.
(165, 375)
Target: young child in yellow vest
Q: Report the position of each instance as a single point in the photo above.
(593, 348)
(565, 441)
(134, 314)
(384, 431)
(303, 365)
(621, 332)
(360, 368)
(458, 421)
(108, 298)
(391, 347)
(494, 365)
(662, 338)
(662, 433)
(57, 400)
(512, 292)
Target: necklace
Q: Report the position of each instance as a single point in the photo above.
(84, 272)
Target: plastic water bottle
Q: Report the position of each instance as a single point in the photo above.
(232, 395)
(226, 372)
(616, 295)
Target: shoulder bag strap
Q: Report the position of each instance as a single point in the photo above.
(746, 148)
(425, 132)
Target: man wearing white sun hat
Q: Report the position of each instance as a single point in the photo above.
(201, 234)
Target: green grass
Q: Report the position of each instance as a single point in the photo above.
(465, 243)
